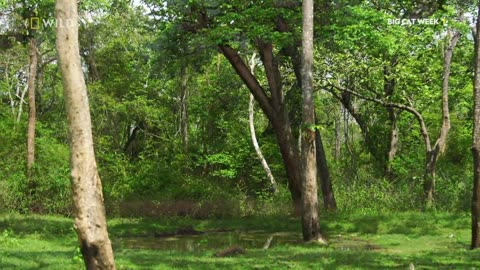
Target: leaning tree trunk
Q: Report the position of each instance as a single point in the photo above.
(260, 156)
(310, 220)
(275, 109)
(90, 221)
(253, 135)
(31, 113)
(476, 141)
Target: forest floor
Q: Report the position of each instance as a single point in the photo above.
(359, 241)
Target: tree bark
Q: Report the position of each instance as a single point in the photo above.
(251, 122)
(90, 221)
(329, 202)
(389, 87)
(183, 109)
(310, 219)
(476, 140)
(338, 140)
(32, 114)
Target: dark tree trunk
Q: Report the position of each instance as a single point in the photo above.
(338, 139)
(291, 160)
(476, 141)
(429, 177)
(329, 201)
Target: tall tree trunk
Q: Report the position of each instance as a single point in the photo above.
(310, 220)
(31, 112)
(476, 140)
(183, 109)
(389, 87)
(90, 221)
(439, 147)
(291, 160)
(253, 136)
(329, 201)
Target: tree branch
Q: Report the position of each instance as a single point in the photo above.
(418, 115)
(250, 81)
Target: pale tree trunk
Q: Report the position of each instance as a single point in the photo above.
(184, 108)
(439, 147)
(32, 74)
(310, 219)
(90, 221)
(476, 140)
(253, 136)
(260, 156)
(389, 87)
(21, 95)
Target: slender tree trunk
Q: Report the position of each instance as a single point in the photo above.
(90, 221)
(329, 201)
(260, 156)
(184, 107)
(338, 139)
(439, 147)
(21, 94)
(476, 140)
(389, 87)
(31, 112)
(393, 144)
(251, 122)
(310, 220)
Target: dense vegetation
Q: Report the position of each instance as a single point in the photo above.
(169, 83)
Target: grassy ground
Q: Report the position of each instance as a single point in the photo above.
(387, 241)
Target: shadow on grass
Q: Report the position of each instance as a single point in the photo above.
(413, 224)
(38, 260)
(46, 227)
(314, 258)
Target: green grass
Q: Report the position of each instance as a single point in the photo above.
(377, 241)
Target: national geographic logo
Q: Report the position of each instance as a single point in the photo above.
(36, 23)
(33, 23)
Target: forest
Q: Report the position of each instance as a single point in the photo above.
(239, 134)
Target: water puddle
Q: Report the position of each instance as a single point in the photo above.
(210, 240)
(200, 241)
